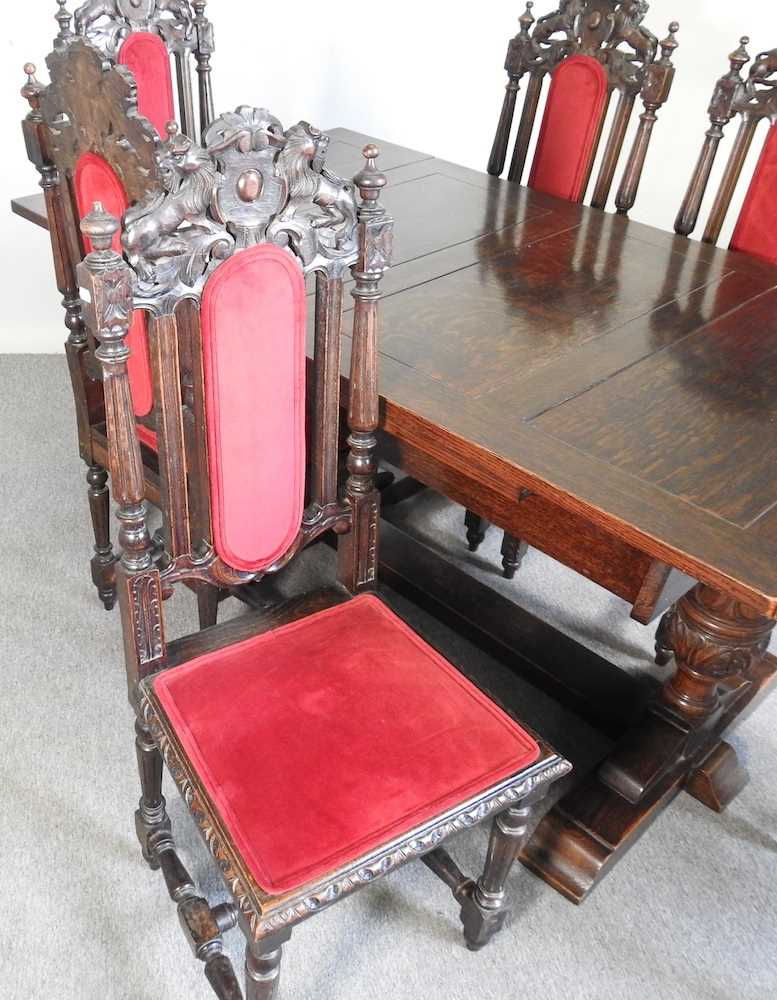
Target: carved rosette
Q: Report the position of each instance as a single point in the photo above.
(714, 637)
(265, 915)
(107, 23)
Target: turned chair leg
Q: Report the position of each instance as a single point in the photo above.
(263, 966)
(513, 551)
(151, 818)
(477, 527)
(484, 909)
(207, 605)
(104, 560)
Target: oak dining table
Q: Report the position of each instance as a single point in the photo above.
(607, 393)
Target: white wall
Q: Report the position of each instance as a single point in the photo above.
(424, 74)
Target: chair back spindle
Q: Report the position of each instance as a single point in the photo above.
(588, 48)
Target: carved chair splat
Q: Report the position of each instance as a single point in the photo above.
(589, 49)
(278, 215)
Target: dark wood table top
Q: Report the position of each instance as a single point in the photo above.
(624, 373)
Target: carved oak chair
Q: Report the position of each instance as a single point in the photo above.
(589, 49)
(86, 137)
(321, 744)
(753, 100)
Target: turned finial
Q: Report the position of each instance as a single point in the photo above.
(526, 20)
(33, 88)
(740, 56)
(670, 43)
(370, 181)
(100, 227)
(64, 17)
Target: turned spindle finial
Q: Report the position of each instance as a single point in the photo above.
(670, 43)
(100, 227)
(526, 20)
(739, 57)
(64, 17)
(33, 87)
(370, 180)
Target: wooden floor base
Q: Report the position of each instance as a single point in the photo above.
(591, 827)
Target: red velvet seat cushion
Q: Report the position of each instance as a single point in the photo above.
(756, 229)
(146, 56)
(329, 737)
(95, 180)
(570, 129)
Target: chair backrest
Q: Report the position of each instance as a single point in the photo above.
(588, 48)
(94, 146)
(754, 100)
(147, 36)
(219, 265)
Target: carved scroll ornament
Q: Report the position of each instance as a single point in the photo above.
(106, 23)
(253, 182)
(608, 30)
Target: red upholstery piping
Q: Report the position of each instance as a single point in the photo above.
(146, 56)
(253, 335)
(95, 180)
(756, 229)
(570, 130)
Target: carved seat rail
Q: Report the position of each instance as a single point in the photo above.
(588, 49)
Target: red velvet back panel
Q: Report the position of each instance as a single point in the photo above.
(566, 146)
(95, 180)
(756, 229)
(148, 59)
(253, 339)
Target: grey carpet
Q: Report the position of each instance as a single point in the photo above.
(690, 913)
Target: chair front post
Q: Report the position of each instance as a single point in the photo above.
(106, 283)
(655, 93)
(721, 111)
(358, 549)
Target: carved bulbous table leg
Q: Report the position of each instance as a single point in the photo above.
(151, 817)
(719, 646)
(714, 638)
(104, 560)
(477, 527)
